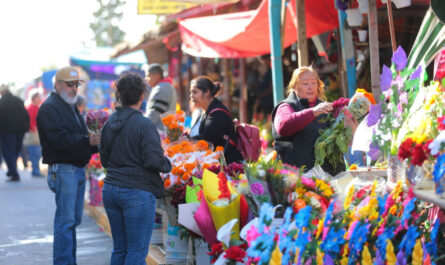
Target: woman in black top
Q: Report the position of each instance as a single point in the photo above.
(215, 125)
(130, 149)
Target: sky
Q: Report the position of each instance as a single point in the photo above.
(37, 34)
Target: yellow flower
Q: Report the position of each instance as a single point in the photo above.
(390, 256)
(417, 253)
(324, 188)
(366, 256)
(275, 259)
(374, 185)
(319, 228)
(319, 257)
(349, 197)
(393, 210)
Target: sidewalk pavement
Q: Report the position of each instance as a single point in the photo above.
(26, 225)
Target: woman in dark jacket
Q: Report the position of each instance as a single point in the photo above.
(296, 120)
(215, 125)
(130, 149)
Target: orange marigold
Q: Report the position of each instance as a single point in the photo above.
(219, 149)
(167, 183)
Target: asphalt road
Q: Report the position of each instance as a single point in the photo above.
(26, 225)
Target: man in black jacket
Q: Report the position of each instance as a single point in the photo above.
(14, 122)
(66, 148)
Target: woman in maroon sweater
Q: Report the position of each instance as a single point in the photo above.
(295, 120)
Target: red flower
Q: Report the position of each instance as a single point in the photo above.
(360, 193)
(222, 186)
(235, 253)
(441, 121)
(406, 149)
(338, 105)
(426, 148)
(419, 155)
(217, 249)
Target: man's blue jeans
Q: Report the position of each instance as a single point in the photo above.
(35, 153)
(68, 182)
(131, 213)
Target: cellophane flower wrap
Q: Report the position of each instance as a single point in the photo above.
(399, 86)
(174, 124)
(333, 142)
(95, 120)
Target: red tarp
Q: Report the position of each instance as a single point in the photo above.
(246, 34)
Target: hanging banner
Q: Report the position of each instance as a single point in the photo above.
(161, 7)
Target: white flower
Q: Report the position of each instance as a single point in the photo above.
(436, 144)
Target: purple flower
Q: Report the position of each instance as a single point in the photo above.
(328, 260)
(416, 73)
(385, 78)
(375, 113)
(257, 188)
(374, 151)
(399, 58)
(403, 98)
(401, 260)
(378, 258)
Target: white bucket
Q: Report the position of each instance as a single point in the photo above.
(401, 3)
(362, 35)
(354, 17)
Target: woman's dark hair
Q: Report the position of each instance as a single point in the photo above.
(204, 83)
(130, 87)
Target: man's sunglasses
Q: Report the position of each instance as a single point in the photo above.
(72, 83)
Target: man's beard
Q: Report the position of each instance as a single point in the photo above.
(67, 99)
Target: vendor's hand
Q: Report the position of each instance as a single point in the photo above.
(322, 108)
(95, 139)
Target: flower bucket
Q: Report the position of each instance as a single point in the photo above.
(401, 3)
(362, 35)
(95, 192)
(354, 17)
(172, 214)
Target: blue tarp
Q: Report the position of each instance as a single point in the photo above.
(98, 65)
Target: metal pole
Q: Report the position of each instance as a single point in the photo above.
(243, 92)
(348, 59)
(275, 48)
(391, 26)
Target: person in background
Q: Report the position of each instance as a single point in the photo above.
(81, 104)
(33, 142)
(296, 120)
(131, 151)
(14, 122)
(66, 148)
(215, 125)
(163, 97)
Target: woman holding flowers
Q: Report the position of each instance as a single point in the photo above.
(130, 149)
(296, 120)
(215, 125)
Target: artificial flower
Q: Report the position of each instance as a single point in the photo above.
(401, 259)
(390, 256)
(235, 253)
(417, 253)
(399, 58)
(385, 78)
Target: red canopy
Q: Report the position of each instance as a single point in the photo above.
(246, 34)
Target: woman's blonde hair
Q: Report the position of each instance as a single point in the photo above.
(296, 77)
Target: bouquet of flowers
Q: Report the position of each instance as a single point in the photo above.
(96, 119)
(333, 142)
(174, 124)
(399, 87)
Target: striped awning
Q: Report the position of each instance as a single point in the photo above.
(429, 41)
